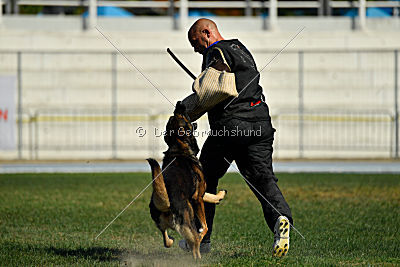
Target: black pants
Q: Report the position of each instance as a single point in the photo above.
(250, 145)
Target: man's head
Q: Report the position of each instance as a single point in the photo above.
(202, 34)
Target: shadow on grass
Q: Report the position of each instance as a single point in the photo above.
(93, 253)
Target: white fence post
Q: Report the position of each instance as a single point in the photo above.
(321, 7)
(273, 15)
(362, 12)
(92, 14)
(183, 13)
(248, 11)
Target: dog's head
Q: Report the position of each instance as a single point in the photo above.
(180, 130)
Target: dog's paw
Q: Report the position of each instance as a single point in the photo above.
(221, 194)
(168, 243)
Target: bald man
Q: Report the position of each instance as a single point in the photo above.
(247, 133)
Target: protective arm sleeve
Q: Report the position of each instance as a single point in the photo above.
(215, 60)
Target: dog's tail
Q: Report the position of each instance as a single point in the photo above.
(160, 195)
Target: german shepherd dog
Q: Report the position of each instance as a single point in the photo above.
(178, 195)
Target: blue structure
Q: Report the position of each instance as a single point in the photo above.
(372, 12)
(110, 11)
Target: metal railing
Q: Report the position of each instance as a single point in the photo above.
(336, 130)
(312, 85)
(66, 131)
(206, 4)
(324, 7)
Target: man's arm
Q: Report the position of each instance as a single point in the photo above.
(191, 103)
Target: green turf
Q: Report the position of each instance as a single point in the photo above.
(52, 219)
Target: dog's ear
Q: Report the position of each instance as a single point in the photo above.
(169, 131)
(180, 108)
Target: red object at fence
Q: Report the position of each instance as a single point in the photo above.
(3, 114)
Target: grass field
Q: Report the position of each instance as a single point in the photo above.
(52, 219)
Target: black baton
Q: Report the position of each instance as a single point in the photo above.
(181, 64)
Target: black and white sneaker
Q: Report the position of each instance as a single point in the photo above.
(281, 237)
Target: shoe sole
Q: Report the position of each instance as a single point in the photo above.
(281, 248)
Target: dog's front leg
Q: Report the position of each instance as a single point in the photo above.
(215, 199)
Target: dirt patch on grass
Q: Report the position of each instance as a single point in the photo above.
(159, 259)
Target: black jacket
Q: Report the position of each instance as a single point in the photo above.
(249, 105)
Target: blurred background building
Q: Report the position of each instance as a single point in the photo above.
(333, 92)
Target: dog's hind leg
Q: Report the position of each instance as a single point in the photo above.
(163, 224)
(167, 240)
(189, 233)
(200, 213)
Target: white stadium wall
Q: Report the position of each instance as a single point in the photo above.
(347, 80)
